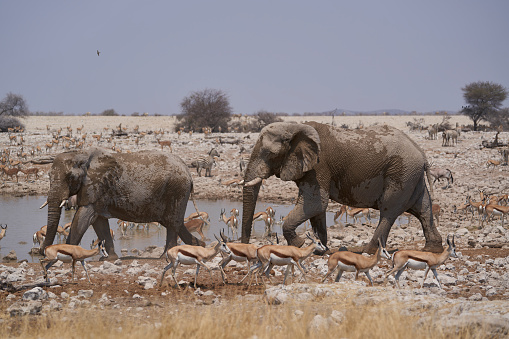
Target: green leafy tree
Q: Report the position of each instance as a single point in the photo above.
(12, 107)
(206, 108)
(484, 99)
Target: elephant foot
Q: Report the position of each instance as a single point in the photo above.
(297, 241)
(435, 247)
(369, 249)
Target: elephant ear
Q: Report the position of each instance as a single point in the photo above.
(77, 172)
(302, 156)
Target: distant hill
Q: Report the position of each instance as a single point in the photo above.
(339, 112)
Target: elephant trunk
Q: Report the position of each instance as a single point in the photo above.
(54, 212)
(249, 197)
(256, 170)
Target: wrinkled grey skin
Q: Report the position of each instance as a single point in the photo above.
(378, 167)
(139, 187)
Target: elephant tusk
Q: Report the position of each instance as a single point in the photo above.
(253, 182)
(44, 205)
(63, 203)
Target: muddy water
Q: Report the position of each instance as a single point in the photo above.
(24, 218)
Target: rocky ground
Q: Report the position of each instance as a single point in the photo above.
(477, 282)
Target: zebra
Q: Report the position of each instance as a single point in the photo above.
(244, 160)
(205, 162)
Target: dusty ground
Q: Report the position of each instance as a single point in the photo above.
(484, 251)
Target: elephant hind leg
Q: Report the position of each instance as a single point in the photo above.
(422, 211)
(102, 229)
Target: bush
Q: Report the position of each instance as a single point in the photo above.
(109, 112)
(7, 122)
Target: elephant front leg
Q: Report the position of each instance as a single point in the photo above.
(84, 217)
(311, 204)
(102, 229)
(319, 224)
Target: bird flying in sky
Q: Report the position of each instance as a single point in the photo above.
(98, 52)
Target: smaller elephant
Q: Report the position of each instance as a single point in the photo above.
(71, 203)
(139, 187)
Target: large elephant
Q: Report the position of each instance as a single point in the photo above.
(139, 187)
(377, 167)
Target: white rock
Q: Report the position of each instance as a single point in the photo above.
(36, 293)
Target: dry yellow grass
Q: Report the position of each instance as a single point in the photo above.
(239, 320)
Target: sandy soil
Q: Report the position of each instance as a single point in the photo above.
(467, 160)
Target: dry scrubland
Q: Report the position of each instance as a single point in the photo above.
(126, 300)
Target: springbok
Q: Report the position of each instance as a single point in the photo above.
(419, 260)
(232, 222)
(269, 221)
(240, 253)
(165, 143)
(192, 255)
(203, 216)
(442, 173)
(68, 253)
(2, 232)
(492, 210)
(355, 213)
(348, 261)
(270, 255)
(196, 225)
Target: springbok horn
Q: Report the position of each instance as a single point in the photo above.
(215, 236)
(63, 203)
(222, 236)
(44, 205)
(253, 182)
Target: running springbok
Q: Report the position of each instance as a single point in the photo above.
(68, 253)
(280, 255)
(348, 261)
(192, 255)
(419, 260)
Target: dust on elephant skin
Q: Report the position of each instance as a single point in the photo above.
(147, 186)
(378, 167)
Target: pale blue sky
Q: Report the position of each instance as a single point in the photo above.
(280, 56)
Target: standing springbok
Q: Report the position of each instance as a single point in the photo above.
(270, 255)
(67, 253)
(240, 253)
(192, 255)
(269, 221)
(2, 232)
(442, 173)
(492, 210)
(348, 261)
(202, 215)
(232, 222)
(196, 225)
(419, 260)
(355, 213)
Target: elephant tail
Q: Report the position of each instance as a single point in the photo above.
(428, 175)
